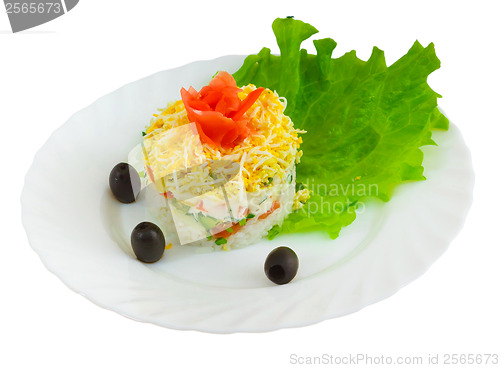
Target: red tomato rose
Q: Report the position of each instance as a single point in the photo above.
(218, 112)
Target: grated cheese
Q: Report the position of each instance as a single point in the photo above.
(268, 153)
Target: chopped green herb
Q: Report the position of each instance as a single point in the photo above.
(181, 206)
(143, 134)
(210, 237)
(269, 180)
(350, 204)
(250, 216)
(243, 222)
(275, 230)
(207, 221)
(229, 230)
(221, 241)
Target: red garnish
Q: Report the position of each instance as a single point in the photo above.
(226, 234)
(200, 206)
(150, 173)
(168, 194)
(237, 227)
(273, 208)
(218, 112)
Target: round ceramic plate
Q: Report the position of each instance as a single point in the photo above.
(83, 235)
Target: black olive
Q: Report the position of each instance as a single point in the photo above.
(281, 265)
(148, 242)
(124, 183)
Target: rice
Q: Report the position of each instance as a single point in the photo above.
(254, 230)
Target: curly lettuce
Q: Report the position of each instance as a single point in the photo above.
(365, 121)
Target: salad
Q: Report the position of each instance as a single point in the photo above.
(288, 143)
(224, 158)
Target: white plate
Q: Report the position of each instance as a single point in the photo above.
(82, 234)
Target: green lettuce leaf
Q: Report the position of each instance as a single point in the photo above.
(365, 121)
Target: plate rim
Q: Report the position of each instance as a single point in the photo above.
(25, 219)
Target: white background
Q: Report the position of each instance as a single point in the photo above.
(56, 69)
